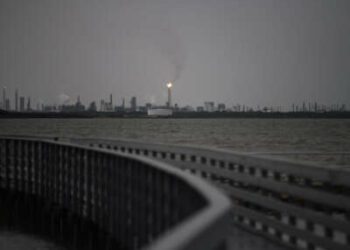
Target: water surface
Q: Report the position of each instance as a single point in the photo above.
(323, 140)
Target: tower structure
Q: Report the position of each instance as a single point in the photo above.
(133, 104)
(4, 98)
(21, 104)
(169, 85)
(29, 107)
(16, 100)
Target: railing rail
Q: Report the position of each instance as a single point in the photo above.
(300, 205)
(134, 202)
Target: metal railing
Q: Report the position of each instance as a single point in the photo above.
(299, 205)
(131, 202)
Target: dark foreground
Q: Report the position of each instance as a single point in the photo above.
(28, 222)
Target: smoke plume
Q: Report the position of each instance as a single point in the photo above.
(171, 47)
(155, 28)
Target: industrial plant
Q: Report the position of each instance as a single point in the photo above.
(22, 106)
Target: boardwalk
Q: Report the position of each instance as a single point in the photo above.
(87, 198)
(239, 240)
(21, 241)
(298, 205)
(135, 191)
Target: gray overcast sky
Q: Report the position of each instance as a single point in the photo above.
(253, 52)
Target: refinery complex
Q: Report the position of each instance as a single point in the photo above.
(21, 106)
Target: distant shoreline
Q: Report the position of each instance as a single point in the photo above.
(176, 115)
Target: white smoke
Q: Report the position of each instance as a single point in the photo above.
(63, 99)
(152, 99)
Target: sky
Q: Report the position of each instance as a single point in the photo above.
(252, 52)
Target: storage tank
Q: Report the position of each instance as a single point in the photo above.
(159, 112)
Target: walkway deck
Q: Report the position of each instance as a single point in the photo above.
(19, 241)
(242, 240)
(239, 240)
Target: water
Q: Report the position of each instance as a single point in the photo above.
(322, 141)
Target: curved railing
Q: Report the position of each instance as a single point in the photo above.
(109, 200)
(299, 205)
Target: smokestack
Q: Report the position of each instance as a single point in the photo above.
(16, 99)
(169, 85)
(4, 98)
(29, 108)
